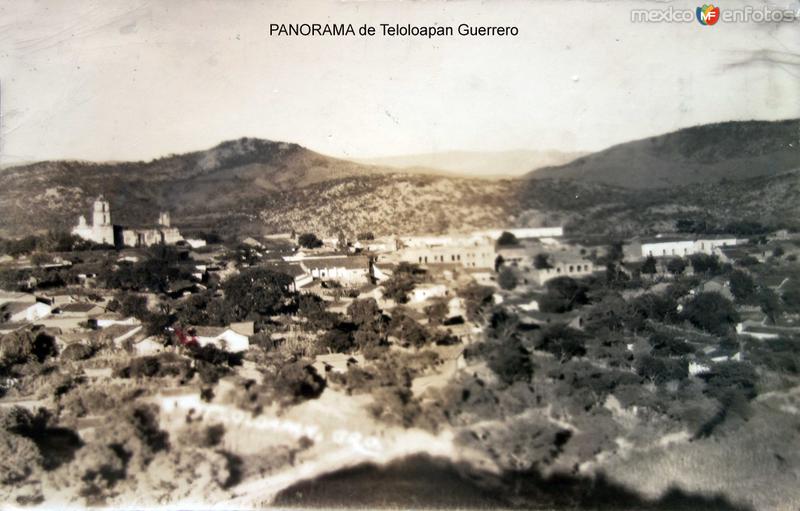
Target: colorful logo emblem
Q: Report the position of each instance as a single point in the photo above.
(708, 14)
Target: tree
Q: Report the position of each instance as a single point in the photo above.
(769, 302)
(339, 339)
(366, 236)
(563, 342)
(507, 279)
(615, 252)
(309, 240)
(364, 312)
(297, 382)
(728, 377)
(509, 360)
(507, 239)
(408, 330)
(676, 266)
(563, 294)
(256, 292)
(476, 299)
(704, 263)
(711, 312)
(649, 266)
(661, 370)
(612, 313)
(131, 304)
(742, 286)
(437, 311)
(665, 345)
(19, 457)
(541, 261)
(398, 286)
(790, 295)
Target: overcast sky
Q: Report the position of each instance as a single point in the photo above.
(137, 80)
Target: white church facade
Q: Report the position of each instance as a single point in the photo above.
(101, 230)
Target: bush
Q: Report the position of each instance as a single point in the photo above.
(309, 240)
(77, 351)
(398, 286)
(507, 239)
(711, 312)
(727, 377)
(563, 342)
(660, 370)
(742, 286)
(509, 360)
(477, 299)
(676, 266)
(297, 382)
(563, 295)
(19, 457)
(507, 279)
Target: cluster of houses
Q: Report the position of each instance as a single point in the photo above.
(340, 274)
(71, 318)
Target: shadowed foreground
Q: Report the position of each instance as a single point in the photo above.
(420, 481)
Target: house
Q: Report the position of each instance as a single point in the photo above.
(424, 292)
(478, 254)
(80, 309)
(300, 276)
(12, 296)
(766, 329)
(7, 328)
(570, 268)
(225, 338)
(107, 320)
(348, 270)
(148, 346)
(252, 242)
(195, 242)
(716, 285)
(24, 311)
(696, 368)
(676, 246)
(481, 276)
(573, 319)
(524, 232)
(383, 271)
(119, 334)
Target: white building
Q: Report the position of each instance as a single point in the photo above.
(524, 232)
(103, 231)
(25, 311)
(226, 338)
(678, 246)
(425, 292)
(477, 253)
(347, 270)
(573, 269)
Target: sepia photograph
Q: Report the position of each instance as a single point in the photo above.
(400, 255)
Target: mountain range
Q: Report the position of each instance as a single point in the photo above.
(491, 164)
(743, 170)
(701, 154)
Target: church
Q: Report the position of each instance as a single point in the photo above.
(103, 231)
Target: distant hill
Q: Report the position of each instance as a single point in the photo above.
(719, 173)
(492, 164)
(702, 154)
(248, 185)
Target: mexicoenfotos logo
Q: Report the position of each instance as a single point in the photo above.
(708, 14)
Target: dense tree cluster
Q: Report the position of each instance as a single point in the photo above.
(563, 295)
(309, 240)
